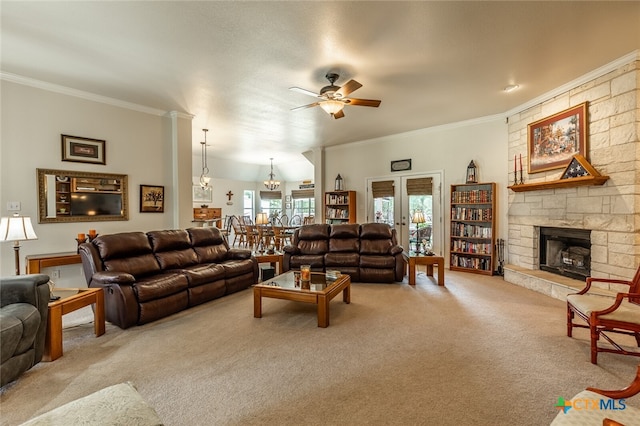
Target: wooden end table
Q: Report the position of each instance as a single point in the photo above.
(273, 258)
(71, 299)
(414, 259)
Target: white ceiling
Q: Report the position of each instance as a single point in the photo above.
(230, 64)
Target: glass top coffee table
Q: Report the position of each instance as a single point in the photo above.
(320, 290)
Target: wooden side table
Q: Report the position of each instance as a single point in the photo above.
(414, 259)
(71, 299)
(274, 259)
(35, 262)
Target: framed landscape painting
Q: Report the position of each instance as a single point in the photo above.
(554, 140)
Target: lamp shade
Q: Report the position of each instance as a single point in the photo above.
(16, 228)
(418, 217)
(331, 107)
(262, 219)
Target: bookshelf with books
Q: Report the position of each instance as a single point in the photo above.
(340, 207)
(473, 228)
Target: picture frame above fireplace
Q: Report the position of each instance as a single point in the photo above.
(553, 141)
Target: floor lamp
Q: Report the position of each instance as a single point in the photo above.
(16, 228)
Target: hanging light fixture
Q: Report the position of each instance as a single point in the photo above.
(204, 179)
(331, 106)
(272, 184)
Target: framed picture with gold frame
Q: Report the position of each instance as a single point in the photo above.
(553, 141)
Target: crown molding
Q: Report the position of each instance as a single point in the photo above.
(38, 84)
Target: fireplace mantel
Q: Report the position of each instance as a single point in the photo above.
(560, 183)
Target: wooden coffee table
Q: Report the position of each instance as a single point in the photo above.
(319, 291)
(419, 259)
(71, 299)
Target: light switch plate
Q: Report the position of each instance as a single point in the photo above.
(13, 206)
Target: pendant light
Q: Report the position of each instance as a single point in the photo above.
(204, 179)
(272, 184)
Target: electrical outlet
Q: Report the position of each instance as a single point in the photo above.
(13, 206)
(55, 274)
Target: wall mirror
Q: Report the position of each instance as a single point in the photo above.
(71, 196)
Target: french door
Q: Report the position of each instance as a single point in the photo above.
(412, 204)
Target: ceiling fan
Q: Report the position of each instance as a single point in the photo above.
(334, 98)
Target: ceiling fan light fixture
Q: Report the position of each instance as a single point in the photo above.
(331, 106)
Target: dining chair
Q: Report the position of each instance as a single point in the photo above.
(296, 220)
(284, 219)
(253, 238)
(239, 234)
(308, 220)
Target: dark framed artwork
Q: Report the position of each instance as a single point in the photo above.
(553, 141)
(151, 199)
(401, 165)
(83, 150)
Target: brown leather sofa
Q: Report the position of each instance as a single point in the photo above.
(367, 252)
(148, 276)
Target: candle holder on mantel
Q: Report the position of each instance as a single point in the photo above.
(92, 237)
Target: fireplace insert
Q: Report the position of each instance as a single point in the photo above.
(566, 251)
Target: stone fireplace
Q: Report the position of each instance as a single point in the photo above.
(558, 236)
(565, 251)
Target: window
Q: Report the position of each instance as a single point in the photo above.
(273, 208)
(304, 207)
(248, 204)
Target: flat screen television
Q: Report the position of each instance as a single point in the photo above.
(90, 204)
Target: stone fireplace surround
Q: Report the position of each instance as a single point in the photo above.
(610, 211)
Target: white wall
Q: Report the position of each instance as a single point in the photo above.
(32, 122)
(447, 148)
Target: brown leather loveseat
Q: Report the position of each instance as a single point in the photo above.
(367, 252)
(148, 276)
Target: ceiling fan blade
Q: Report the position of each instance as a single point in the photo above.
(305, 106)
(305, 92)
(347, 88)
(363, 102)
(338, 114)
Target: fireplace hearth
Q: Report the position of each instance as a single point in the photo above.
(566, 251)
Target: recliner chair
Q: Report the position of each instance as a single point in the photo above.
(24, 303)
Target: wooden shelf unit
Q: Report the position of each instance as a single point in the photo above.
(207, 214)
(472, 237)
(340, 207)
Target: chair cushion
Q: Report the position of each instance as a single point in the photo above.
(626, 312)
(20, 322)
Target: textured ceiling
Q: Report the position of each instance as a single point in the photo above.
(230, 64)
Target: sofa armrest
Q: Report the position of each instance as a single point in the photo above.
(108, 278)
(24, 289)
(236, 253)
(395, 250)
(291, 249)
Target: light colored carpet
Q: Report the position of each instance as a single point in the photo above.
(476, 352)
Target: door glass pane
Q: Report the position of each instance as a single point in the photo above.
(421, 233)
(384, 209)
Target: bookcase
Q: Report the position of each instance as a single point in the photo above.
(473, 228)
(340, 207)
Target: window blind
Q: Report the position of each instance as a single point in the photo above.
(271, 195)
(383, 188)
(302, 193)
(420, 186)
